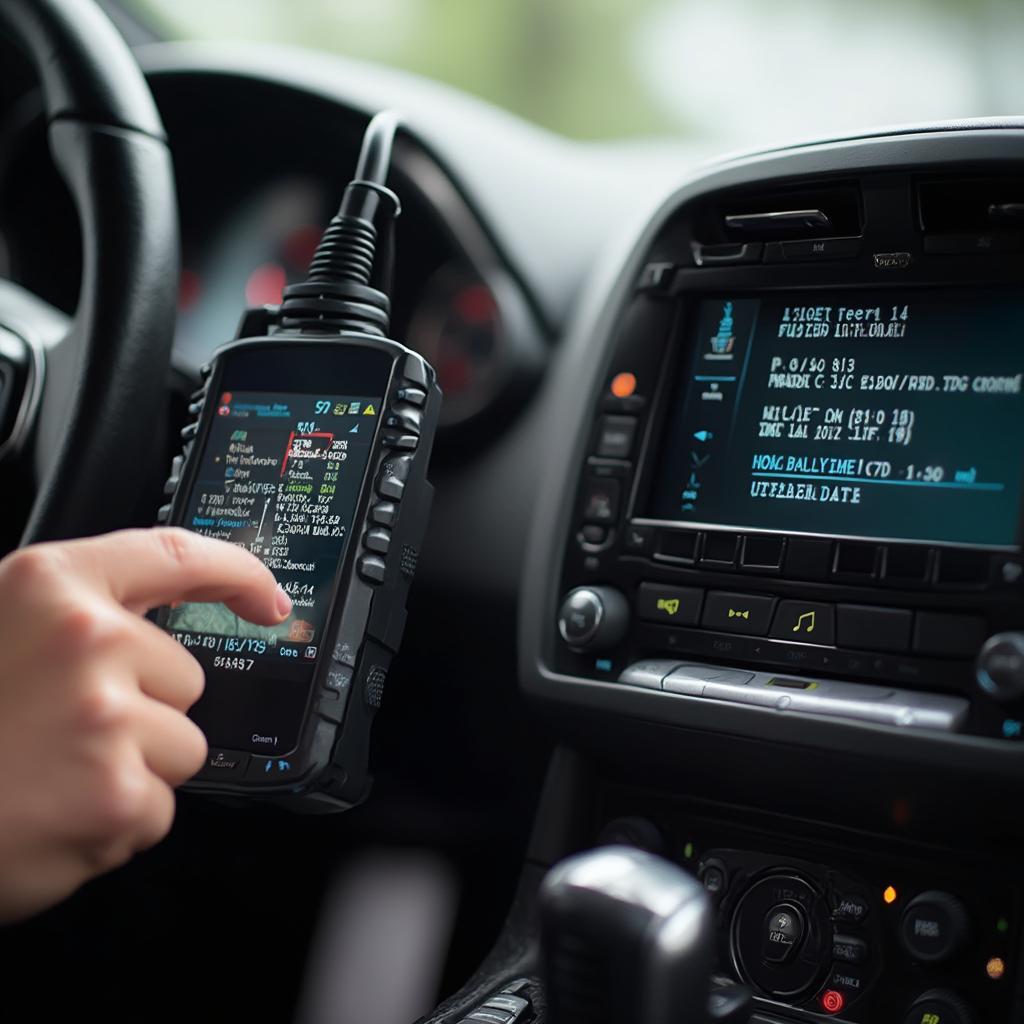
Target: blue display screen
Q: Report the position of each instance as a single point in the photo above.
(884, 415)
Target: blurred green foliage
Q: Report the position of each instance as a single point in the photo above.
(563, 64)
(729, 70)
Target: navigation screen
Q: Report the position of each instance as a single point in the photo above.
(864, 414)
(280, 475)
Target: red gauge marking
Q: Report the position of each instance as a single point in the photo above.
(300, 246)
(475, 303)
(190, 287)
(265, 285)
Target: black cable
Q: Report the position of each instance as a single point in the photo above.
(342, 292)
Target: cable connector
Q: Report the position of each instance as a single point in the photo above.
(346, 287)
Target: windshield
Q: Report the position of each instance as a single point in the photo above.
(734, 72)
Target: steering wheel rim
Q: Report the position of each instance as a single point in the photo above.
(95, 394)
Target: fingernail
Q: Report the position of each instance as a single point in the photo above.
(284, 602)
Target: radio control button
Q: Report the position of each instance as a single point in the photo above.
(615, 437)
(907, 564)
(808, 558)
(856, 561)
(719, 550)
(1000, 669)
(637, 539)
(371, 568)
(384, 513)
(189, 431)
(783, 933)
(941, 1006)
(950, 635)
(874, 629)
(762, 552)
(848, 949)
(850, 981)
(601, 497)
(677, 545)
(850, 906)
(163, 513)
(670, 606)
(962, 568)
(738, 613)
(648, 674)
(593, 534)
(593, 618)
(934, 927)
(805, 622)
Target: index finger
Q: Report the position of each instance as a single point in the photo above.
(141, 569)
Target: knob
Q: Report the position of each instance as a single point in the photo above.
(941, 1006)
(934, 927)
(1000, 666)
(593, 618)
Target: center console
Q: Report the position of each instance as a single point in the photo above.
(783, 512)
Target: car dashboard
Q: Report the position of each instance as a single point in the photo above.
(729, 499)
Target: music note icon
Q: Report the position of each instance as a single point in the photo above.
(809, 617)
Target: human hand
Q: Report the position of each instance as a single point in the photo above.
(93, 732)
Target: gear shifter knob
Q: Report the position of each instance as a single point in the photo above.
(625, 936)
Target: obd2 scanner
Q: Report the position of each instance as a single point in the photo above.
(309, 447)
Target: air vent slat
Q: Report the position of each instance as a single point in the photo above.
(815, 210)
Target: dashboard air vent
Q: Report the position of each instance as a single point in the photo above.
(971, 204)
(775, 215)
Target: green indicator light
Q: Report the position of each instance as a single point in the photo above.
(1002, 926)
(688, 851)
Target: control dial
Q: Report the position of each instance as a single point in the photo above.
(939, 1005)
(593, 618)
(934, 927)
(1000, 666)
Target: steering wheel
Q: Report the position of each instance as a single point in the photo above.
(85, 396)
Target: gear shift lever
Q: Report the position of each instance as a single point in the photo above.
(628, 938)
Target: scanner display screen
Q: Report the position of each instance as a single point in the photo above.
(280, 474)
(884, 415)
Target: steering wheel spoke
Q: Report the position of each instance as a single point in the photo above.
(91, 390)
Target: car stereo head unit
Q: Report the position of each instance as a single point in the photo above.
(810, 488)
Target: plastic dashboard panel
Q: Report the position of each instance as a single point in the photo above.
(569, 397)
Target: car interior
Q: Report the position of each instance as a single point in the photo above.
(710, 701)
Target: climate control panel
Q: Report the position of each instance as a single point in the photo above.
(859, 947)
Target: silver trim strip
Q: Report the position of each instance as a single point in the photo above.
(830, 698)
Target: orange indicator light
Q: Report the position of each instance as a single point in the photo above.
(623, 385)
(995, 968)
(890, 894)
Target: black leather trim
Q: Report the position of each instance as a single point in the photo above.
(103, 403)
(106, 383)
(87, 70)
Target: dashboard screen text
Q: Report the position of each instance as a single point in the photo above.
(883, 415)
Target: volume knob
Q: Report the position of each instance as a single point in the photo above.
(593, 618)
(934, 927)
(1000, 666)
(939, 1005)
